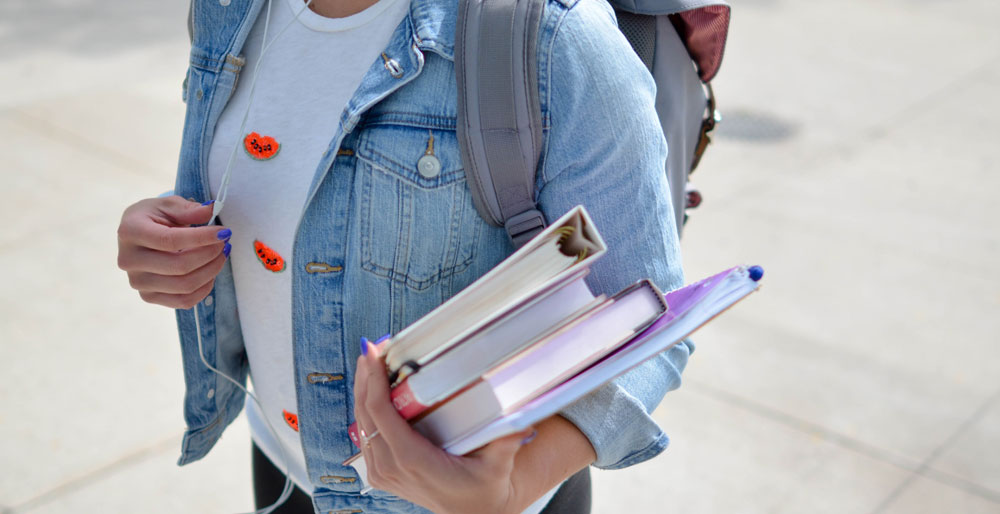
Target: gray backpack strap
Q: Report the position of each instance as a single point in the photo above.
(499, 115)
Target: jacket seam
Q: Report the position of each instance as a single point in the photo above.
(547, 123)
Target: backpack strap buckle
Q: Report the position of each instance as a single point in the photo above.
(712, 117)
(522, 227)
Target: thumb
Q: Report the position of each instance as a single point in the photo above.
(504, 448)
(185, 212)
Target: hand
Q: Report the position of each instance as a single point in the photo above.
(167, 260)
(403, 462)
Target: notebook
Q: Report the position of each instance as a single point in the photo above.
(545, 364)
(517, 394)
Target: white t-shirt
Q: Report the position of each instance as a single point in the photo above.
(308, 75)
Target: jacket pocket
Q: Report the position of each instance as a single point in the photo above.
(418, 223)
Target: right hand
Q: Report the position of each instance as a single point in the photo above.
(167, 260)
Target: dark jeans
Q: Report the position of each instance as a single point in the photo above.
(572, 498)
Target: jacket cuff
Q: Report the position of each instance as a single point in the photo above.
(616, 417)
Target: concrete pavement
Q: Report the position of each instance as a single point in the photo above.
(857, 164)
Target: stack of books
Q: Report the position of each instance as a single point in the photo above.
(529, 338)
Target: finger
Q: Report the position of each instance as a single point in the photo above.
(381, 342)
(178, 284)
(365, 424)
(163, 224)
(378, 458)
(405, 443)
(144, 260)
(150, 233)
(178, 301)
(181, 212)
(359, 393)
(172, 211)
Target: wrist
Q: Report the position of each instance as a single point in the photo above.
(557, 452)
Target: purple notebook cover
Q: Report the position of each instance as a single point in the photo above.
(680, 300)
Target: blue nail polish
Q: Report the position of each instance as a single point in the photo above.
(756, 272)
(226, 249)
(531, 437)
(224, 234)
(383, 338)
(210, 202)
(364, 346)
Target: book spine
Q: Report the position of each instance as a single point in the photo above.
(405, 401)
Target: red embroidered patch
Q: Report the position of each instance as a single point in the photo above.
(268, 257)
(260, 147)
(292, 420)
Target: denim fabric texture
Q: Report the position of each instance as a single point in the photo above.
(397, 243)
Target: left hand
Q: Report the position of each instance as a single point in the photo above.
(403, 462)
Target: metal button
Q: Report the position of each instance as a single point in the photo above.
(224, 2)
(393, 66)
(429, 166)
(209, 301)
(334, 479)
(322, 267)
(211, 394)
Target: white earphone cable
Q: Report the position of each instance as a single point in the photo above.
(286, 491)
(224, 185)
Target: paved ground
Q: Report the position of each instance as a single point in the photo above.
(858, 165)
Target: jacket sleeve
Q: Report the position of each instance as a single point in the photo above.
(605, 149)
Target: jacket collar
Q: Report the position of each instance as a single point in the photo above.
(433, 25)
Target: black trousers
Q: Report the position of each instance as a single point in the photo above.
(572, 498)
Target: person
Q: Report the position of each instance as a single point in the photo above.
(330, 233)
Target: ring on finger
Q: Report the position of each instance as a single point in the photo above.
(366, 439)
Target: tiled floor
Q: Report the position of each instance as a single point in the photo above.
(859, 166)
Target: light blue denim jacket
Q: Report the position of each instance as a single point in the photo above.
(379, 245)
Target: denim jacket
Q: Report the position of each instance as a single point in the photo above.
(378, 245)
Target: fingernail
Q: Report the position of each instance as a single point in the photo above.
(531, 437)
(224, 234)
(210, 202)
(364, 346)
(383, 338)
(226, 249)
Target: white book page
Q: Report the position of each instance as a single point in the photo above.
(468, 361)
(489, 298)
(552, 361)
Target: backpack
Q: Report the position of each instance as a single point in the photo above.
(681, 42)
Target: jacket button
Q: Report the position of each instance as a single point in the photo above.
(393, 66)
(223, 2)
(209, 301)
(321, 378)
(429, 166)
